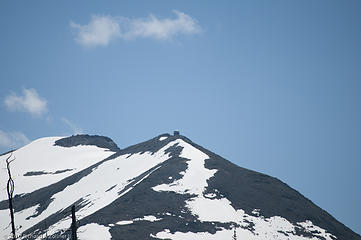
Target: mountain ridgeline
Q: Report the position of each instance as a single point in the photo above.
(165, 188)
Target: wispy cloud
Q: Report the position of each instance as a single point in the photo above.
(72, 126)
(13, 139)
(160, 29)
(98, 32)
(102, 29)
(29, 101)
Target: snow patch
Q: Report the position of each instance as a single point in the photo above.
(315, 230)
(93, 231)
(194, 180)
(210, 195)
(124, 222)
(148, 218)
(222, 211)
(256, 212)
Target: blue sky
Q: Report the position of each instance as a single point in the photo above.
(273, 86)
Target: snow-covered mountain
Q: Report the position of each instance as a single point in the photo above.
(164, 188)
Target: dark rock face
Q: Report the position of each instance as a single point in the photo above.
(253, 190)
(84, 139)
(36, 173)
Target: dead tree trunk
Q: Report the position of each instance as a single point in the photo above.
(73, 224)
(234, 234)
(10, 190)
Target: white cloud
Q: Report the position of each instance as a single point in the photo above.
(72, 126)
(155, 28)
(28, 102)
(99, 31)
(13, 139)
(102, 29)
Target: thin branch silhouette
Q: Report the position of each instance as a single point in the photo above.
(10, 190)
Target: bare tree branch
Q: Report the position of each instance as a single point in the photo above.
(10, 190)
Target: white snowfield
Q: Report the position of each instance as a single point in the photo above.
(41, 156)
(95, 190)
(94, 231)
(106, 181)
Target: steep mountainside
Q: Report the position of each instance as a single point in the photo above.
(164, 188)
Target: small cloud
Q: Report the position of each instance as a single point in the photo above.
(75, 129)
(98, 32)
(13, 139)
(102, 29)
(30, 102)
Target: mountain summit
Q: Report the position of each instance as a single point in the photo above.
(165, 188)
